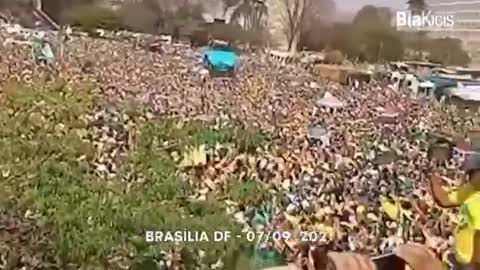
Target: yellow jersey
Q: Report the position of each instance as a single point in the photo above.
(469, 221)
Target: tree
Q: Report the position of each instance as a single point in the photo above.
(378, 39)
(385, 14)
(229, 4)
(59, 10)
(345, 38)
(315, 30)
(372, 17)
(138, 17)
(163, 11)
(251, 12)
(294, 13)
(318, 12)
(189, 11)
(91, 17)
(234, 33)
(448, 51)
(416, 6)
(370, 37)
(316, 38)
(382, 45)
(166, 16)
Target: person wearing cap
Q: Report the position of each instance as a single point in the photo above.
(467, 197)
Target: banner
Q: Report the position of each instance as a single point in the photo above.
(42, 51)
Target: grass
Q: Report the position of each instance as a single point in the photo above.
(45, 165)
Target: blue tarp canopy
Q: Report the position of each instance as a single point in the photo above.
(221, 59)
(442, 85)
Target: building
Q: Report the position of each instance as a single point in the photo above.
(466, 14)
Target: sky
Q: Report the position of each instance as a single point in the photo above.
(354, 5)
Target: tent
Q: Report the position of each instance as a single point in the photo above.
(329, 101)
(221, 59)
(464, 150)
(320, 134)
(426, 84)
(466, 92)
(474, 136)
(444, 87)
(440, 148)
(469, 154)
(389, 114)
(472, 163)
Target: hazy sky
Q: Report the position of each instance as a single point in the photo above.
(354, 5)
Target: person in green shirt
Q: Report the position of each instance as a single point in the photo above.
(467, 197)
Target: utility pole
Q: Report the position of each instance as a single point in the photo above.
(37, 4)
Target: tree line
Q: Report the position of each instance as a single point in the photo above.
(372, 37)
(309, 24)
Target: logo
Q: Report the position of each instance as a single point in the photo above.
(426, 21)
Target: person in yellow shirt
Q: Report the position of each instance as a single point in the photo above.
(467, 197)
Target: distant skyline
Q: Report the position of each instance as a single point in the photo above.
(355, 5)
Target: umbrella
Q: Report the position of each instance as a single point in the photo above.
(463, 148)
(472, 162)
(389, 114)
(330, 101)
(319, 133)
(426, 84)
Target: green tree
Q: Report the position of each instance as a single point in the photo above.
(368, 16)
(163, 11)
(317, 37)
(138, 17)
(345, 38)
(370, 37)
(91, 17)
(448, 51)
(383, 45)
(294, 16)
(251, 12)
(318, 12)
(385, 14)
(378, 40)
(229, 4)
(58, 10)
(416, 6)
(153, 16)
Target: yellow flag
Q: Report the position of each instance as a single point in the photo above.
(464, 241)
(194, 157)
(329, 231)
(391, 209)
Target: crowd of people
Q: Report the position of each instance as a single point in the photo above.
(340, 185)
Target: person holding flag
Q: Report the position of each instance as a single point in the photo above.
(467, 197)
(42, 52)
